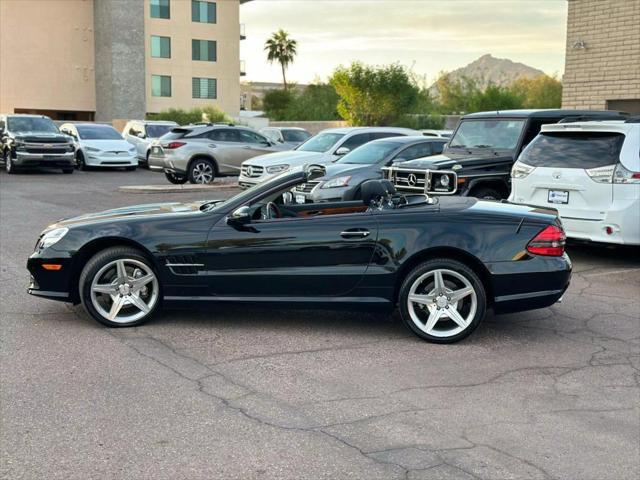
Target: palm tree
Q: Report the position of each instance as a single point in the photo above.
(280, 48)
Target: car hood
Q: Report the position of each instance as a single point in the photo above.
(40, 137)
(134, 212)
(107, 145)
(290, 157)
(446, 161)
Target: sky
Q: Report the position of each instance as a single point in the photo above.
(427, 36)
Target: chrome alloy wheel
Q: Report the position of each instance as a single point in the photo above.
(124, 290)
(442, 303)
(202, 173)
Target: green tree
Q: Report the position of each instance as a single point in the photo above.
(316, 102)
(539, 92)
(276, 103)
(373, 95)
(282, 49)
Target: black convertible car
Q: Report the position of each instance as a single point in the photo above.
(443, 261)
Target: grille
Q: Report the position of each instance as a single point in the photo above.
(47, 151)
(306, 187)
(252, 171)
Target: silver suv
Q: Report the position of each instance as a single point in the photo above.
(199, 153)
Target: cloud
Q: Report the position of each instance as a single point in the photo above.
(429, 36)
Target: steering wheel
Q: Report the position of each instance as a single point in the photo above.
(271, 210)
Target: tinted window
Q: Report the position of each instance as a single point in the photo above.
(160, 85)
(356, 140)
(160, 9)
(31, 124)
(488, 133)
(416, 151)
(156, 131)
(204, 50)
(224, 135)
(160, 47)
(376, 135)
(251, 137)
(370, 153)
(295, 136)
(97, 132)
(573, 150)
(204, 12)
(176, 133)
(321, 142)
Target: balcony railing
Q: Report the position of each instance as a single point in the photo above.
(242, 32)
(243, 69)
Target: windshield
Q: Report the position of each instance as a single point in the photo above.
(487, 134)
(156, 131)
(370, 153)
(31, 124)
(321, 142)
(573, 150)
(295, 136)
(97, 132)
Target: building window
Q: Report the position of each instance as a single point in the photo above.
(160, 9)
(160, 85)
(203, 50)
(160, 47)
(204, 88)
(204, 12)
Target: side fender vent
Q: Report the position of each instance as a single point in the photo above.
(183, 264)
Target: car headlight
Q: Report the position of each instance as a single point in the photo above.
(444, 180)
(277, 168)
(337, 182)
(91, 149)
(521, 170)
(132, 149)
(52, 237)
(19, 144)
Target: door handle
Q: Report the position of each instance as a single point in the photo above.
(355, 233)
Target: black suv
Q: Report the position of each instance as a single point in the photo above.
(34, 141)
(484, 147)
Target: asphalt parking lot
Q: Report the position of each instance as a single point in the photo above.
(242, 393)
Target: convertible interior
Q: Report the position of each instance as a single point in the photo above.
(376, 195)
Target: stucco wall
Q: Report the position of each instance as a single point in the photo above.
(119, 48)
(603, 53)
(47, 55)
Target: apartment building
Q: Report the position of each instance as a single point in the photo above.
(602, 64)
(117, 59)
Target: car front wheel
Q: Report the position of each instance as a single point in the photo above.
(202, 171)
(442, 301)
(8, 163)
(119, 287)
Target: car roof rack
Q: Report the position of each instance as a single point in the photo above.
(592, 118)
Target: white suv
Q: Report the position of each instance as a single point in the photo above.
(590, 173)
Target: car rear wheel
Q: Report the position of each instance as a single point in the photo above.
(119, 287)
(442, 301)
(175, 178)
(202, 171)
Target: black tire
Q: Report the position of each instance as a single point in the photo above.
(130, 169)
(486, 193)
(80, 163)
(8, 163)
(175, 178)
(202, 171)
(145, 164)
(93, 267)
(68, 171)
(443, 264)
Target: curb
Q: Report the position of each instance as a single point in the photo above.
(175, 188)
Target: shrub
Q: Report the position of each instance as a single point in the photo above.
(194, 115)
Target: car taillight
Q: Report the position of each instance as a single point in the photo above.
(521, 170)
(549, 242)
(174, 145)
(623, 175)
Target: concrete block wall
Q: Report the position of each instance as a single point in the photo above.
(608, 67)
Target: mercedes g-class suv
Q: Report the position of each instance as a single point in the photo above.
(34, 141)
(483, 149)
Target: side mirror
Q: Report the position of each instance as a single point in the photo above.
(239, 217)
(342, 151)
(141, 135)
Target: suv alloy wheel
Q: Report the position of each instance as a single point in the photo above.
(202, 171)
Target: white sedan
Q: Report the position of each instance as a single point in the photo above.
(99, 145)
